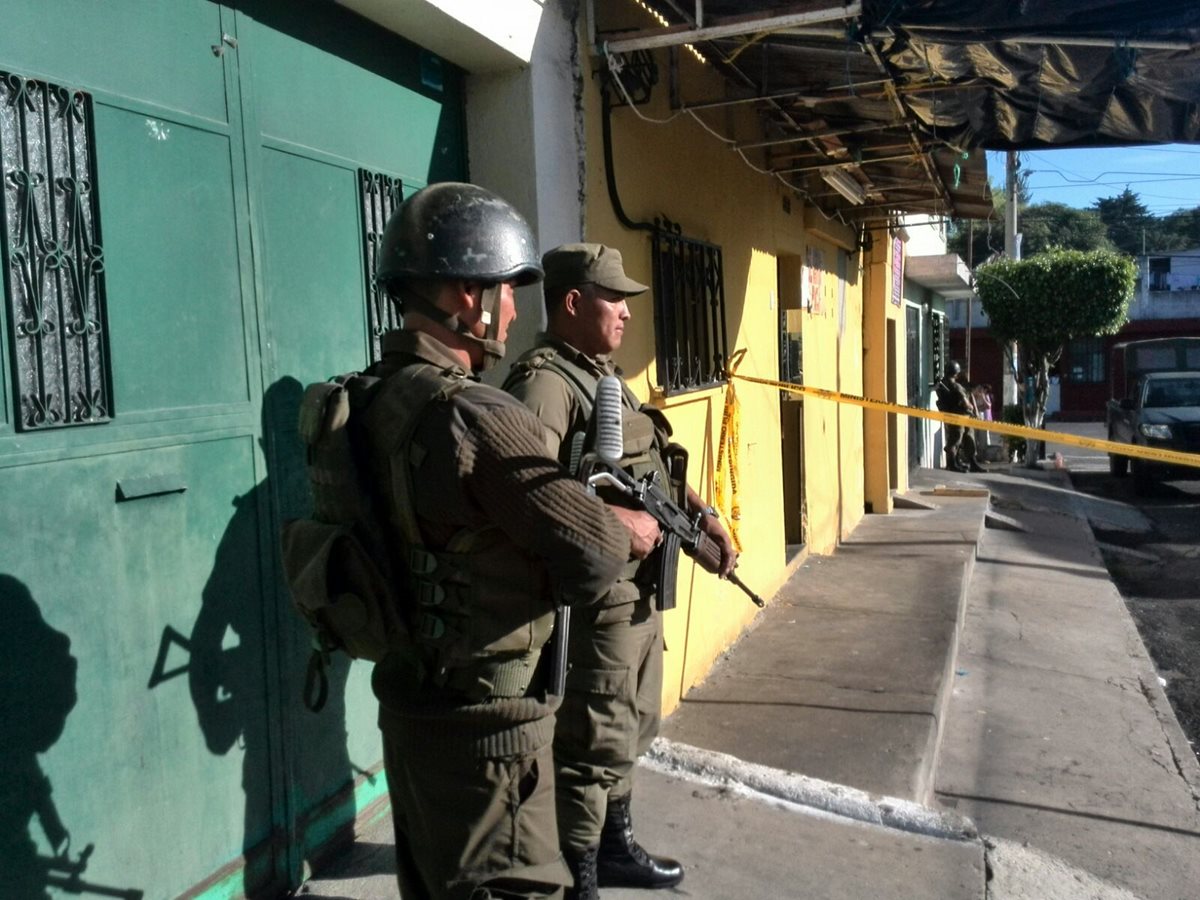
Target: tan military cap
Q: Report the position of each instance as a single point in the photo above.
(572, 265)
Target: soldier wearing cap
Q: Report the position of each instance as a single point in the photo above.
(492, 533)
(611, 710)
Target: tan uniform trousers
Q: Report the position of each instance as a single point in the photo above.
(610, 714)
(474, 829)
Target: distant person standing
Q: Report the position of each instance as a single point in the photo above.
(981, 396)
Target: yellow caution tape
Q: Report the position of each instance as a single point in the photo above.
(1155, 454)
(727, 456)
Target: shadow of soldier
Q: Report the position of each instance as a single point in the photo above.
(37, 693)
(249, 655)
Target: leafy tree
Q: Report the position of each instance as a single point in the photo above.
(1046, 300)
(1179, 230)
(1127, 220)
(1049, 225)
(986, 236)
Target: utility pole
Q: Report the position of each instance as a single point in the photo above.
(1010, 390)
(971, 296)
(1013, 377)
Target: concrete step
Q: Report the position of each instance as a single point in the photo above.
(847, 675)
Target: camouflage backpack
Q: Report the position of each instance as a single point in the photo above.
(342, 577)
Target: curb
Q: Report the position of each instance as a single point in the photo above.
(722, 770)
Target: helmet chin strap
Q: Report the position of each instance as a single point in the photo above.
(490, 346)
(413, 300)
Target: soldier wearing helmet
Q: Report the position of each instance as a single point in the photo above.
(953, 397)
(492, 534)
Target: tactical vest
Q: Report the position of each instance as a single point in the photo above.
(645, 431)
(951, 398)
(479, 609)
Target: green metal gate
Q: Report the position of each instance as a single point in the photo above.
(149, 702)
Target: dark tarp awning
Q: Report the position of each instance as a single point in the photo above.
(886, 105)
(1047, 73)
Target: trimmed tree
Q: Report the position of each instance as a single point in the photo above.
(1050, 225)
(1044, 301)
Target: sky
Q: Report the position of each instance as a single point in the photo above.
(1165, 177)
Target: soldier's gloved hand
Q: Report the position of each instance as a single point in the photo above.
(716, 531)
(644, 533)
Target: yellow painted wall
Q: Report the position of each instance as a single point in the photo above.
(898, 435)
(679, 170)
(850, 342)
(822, 431)
(885, 377)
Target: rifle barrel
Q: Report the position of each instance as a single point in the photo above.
(758, 601)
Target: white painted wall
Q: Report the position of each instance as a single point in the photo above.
(525, 142)
(476, 35)
(926, 236)
(1181, 300)
(1176, 304)
(956, 314)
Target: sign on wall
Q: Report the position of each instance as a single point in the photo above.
(897, 270)
(813, 280)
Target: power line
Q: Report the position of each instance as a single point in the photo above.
(1162, 150)
(1086, 181)
(1059, 187)
(1078, 181)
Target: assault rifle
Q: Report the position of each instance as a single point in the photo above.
(680, 529)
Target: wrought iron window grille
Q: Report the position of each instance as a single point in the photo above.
(691, 345)
(53, 256)
(940, 355)
(379, 195)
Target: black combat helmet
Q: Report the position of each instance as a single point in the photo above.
(455, 230)
(953, 368)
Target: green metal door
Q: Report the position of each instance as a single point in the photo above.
(150, 698)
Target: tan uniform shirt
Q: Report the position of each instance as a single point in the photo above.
(557, 405)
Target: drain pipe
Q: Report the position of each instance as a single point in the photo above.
(610, 176)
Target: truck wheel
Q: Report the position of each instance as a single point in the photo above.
(1118, 466)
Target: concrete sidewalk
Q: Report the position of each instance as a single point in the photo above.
(939, 709)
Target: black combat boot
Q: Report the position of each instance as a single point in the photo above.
(952, 461)
(582, 864)
(623, 862)
(976, 467)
